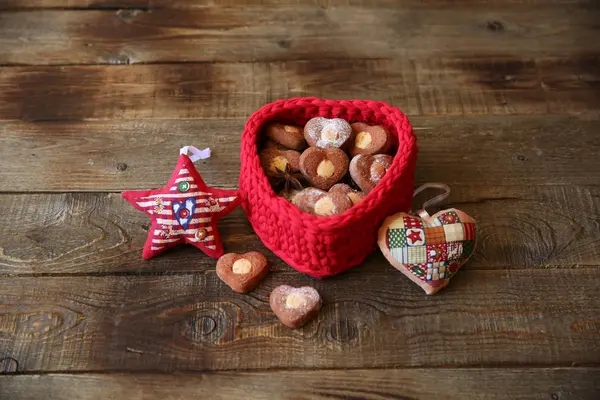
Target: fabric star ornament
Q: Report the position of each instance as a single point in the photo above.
(428, 249)
(186, 210)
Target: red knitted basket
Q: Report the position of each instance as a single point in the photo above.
(315, 245)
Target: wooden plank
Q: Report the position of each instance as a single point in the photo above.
(546, 317)
(534, 227)
(187, 4)
(463, 86)
(120, 155)
(292, 32)
(459, 384)
(127, 154)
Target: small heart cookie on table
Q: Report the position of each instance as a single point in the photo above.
(295, 306)
(428, 250)
(242, 272)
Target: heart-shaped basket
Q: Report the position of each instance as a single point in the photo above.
(315, 245)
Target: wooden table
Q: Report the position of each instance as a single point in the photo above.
(97, 96)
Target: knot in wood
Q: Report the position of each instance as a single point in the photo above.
(284, 43)
(494, 26)
(343, 331)
(8, 364)
(206, 325)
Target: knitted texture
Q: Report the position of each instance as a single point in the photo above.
(315, 245)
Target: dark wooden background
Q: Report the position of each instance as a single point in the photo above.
(97, 96)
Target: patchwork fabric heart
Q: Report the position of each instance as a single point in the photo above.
(184, 211)
(428, 250)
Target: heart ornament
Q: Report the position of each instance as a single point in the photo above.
(428, 250)
(184, 211)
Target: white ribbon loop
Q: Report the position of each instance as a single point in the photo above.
(197, 154)
(422, 212)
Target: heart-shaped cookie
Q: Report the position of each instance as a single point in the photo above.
(368, 170)
(287, 135)
(242, 272)
(328, 133)
(273, 159)
(354, 196)
(295, 306)
(428, 251)
(369, 139)
(323, 167)
(318, 202)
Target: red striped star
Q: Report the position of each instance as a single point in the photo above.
(184, 211)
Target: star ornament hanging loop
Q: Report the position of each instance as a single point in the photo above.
(186, 210)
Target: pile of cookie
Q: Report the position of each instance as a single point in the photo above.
(294, 306)
(327, 166)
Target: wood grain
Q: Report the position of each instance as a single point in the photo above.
(199, 4)
(97, 96)
(515, 383)
(121, 155)
(463, 86)
(518, 227)
(267, 33)
(545, 317)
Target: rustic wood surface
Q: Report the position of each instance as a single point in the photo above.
(370, 318)
(113, 156)
(291, 32)
(433, 87)
(97, 96)
(98, 233)
(378, 384)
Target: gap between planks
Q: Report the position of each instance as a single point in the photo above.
(267, 370)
